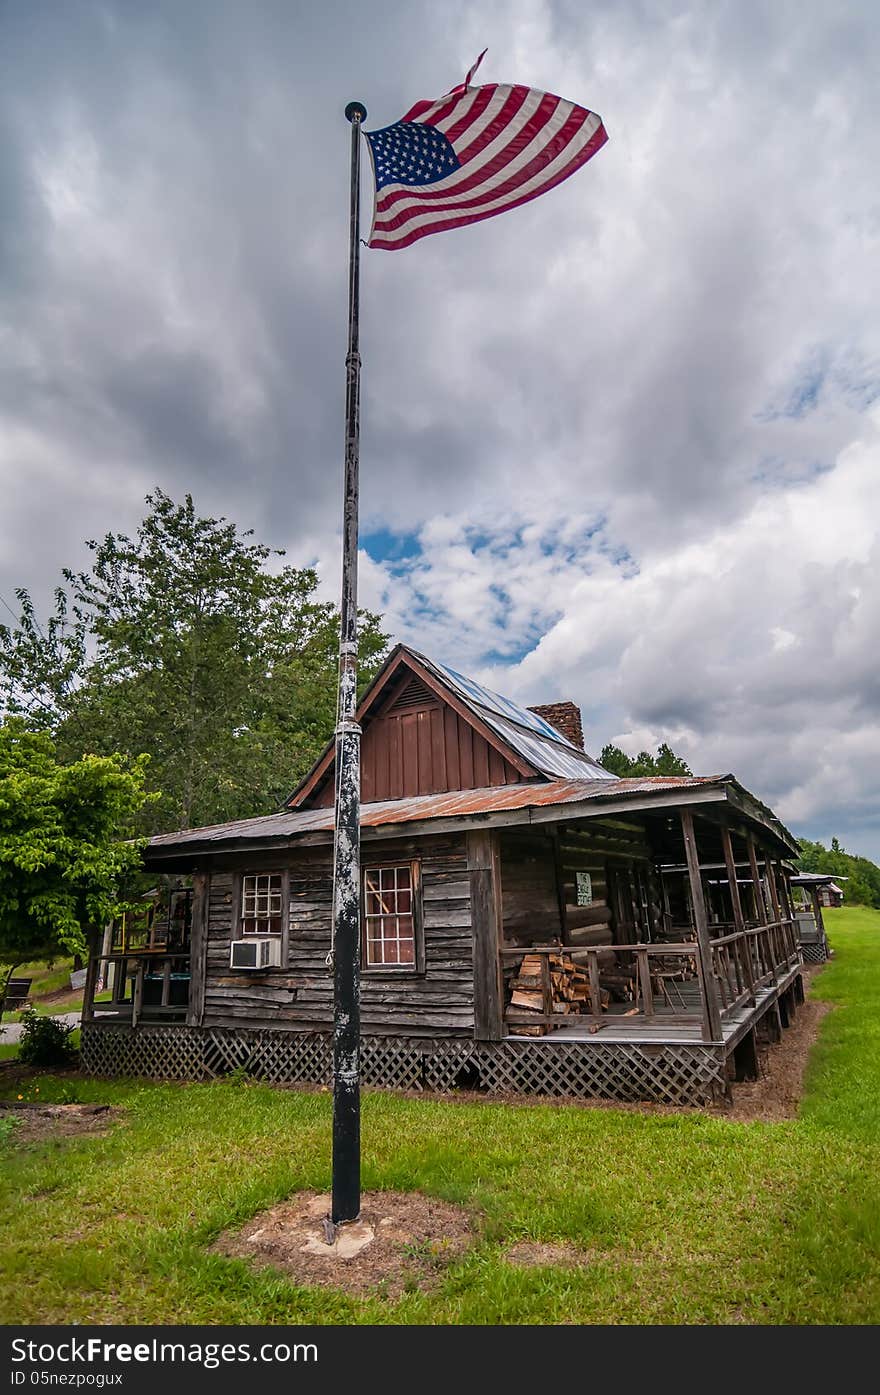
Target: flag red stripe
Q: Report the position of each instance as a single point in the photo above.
(596, 141)
(518, 142)
(474, 112)
(512, 105)
(549, 152)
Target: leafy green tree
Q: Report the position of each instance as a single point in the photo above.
(64, 854)
(190, 643)
(862, 884)
(666, 762)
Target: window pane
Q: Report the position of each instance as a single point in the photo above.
(261, 903)
(388, 916)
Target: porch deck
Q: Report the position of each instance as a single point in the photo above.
(665, 1029)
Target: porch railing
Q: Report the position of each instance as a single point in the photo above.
(653, 978)
(657, 981)
(747, 961)
(145, 986)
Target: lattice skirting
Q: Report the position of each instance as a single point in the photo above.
(815, 953)
(666, 1074)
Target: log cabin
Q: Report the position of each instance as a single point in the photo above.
(530, 922)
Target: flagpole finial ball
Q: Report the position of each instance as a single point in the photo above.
(355, 111)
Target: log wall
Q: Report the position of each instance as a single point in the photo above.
(539, 885)
(299, 996)
(530, 909)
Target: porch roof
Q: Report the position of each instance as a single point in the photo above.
(818, 879)
(460, 809)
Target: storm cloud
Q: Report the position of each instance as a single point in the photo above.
(619, 445)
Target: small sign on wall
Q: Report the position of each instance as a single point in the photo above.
(584, 884)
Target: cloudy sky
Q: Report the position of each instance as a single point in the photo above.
(619, 445)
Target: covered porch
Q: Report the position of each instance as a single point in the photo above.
(670, 923)
(142, 970)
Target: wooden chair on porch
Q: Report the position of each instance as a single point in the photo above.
(668, 974)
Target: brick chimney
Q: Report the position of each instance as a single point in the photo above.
(566, 718)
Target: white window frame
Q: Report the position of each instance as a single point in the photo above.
(417, 964)
(261, 891)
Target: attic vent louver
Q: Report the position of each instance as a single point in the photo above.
(415, 693)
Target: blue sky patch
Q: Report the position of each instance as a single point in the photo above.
(385, 546)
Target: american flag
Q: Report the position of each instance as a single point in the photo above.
(473, 153)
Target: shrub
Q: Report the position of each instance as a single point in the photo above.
(45, 1041)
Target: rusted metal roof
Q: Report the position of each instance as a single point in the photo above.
(294, 823)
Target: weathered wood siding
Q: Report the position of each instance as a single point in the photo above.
(424, 748)
(300, 995)
(618, 858)
(539, 884)
(530, 906)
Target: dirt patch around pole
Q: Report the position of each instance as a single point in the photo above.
(401, 1242)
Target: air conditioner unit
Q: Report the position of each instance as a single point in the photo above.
(255, 954)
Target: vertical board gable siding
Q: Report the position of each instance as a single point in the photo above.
(424, 750)
(300, 997)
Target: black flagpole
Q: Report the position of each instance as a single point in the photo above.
(346, 1199)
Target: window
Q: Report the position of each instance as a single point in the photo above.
(262, 904)
(391, 918)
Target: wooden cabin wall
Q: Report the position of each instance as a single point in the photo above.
(539, 884)
(530, 906)
(626, 900)
(300, 996)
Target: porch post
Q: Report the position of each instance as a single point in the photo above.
(103, 978)
(484, 869)
(760, 903)
(198, 951)
(711, 1010)
(774, 890)
(785, 893)
(739, 924)
(817, 908)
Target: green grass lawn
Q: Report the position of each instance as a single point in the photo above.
(687, 1218)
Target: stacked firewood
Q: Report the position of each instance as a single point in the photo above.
(569, 991)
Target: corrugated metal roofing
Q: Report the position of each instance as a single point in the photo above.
(817, 879)
(559, 758)
(472, 691)
(526, 732)
(457, 804)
